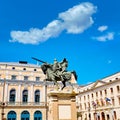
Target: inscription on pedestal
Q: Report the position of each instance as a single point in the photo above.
(64, 111)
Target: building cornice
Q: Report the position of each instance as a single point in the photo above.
(105, 84)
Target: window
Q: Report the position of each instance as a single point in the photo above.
(25, 115)
(92, 95)
(111, 90)
(25, 96)
(102, 102)
(37, 115)
(119, 100)
(84, 98)
(85, 105)
(88, 104)
(13, 77)
(25, 78)
(118, 88)
(37, 96)
(105, 92)
(115, 115)
(11, 115)
(96, 94)
(88, 96)
(80, 98)
(81, 106)
(12, 95)
(37, 78)
(113, 101)
(101, 93)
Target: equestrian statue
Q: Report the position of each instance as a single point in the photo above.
(57, 72)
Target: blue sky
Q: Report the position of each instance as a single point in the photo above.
(87, 33)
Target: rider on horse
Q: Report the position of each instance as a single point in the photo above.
(60, 68)
(57, 72)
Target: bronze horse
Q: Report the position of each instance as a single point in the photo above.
(51, 76)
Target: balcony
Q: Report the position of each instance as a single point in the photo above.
(32, 104)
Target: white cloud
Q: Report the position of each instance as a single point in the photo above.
(102, 28)
(75, 20)
(78, 18)
(103, 38)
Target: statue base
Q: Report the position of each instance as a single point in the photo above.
(62, 105)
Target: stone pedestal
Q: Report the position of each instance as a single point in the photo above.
(62, 106)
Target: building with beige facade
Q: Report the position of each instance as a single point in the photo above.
(25, 96)
(100, 100)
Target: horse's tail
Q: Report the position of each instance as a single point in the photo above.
(75, 74)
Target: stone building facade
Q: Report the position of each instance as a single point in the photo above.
(100, 100)
(24, 94)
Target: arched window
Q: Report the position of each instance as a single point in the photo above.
(105, 92)
(111, 89)
(118, 88)
(25, 96)
(92, 95)
(11, 115)
(103, 115)
(25, 115)
(85, 105)
(115, 115)
(37, 115)
(12, 95)
(37, 96)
